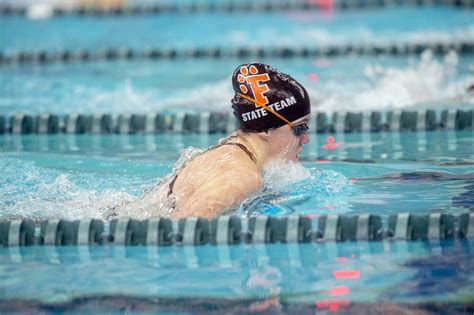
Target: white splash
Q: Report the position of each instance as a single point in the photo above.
(293, 177)
(155, 200)
(38, 193)
(279, 174)
(125, 98)
(322, 36)
(214, 96)
(39, 11)
(310, 190)
(128, 98)
(428, 82)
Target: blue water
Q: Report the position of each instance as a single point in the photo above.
(334, 84)
(74, 177)
(289, 274)
(83, 176)
(236, 29)
(342, 84)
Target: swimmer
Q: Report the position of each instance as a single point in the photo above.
(272, 110)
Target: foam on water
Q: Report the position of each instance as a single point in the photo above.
(29, 191)
(359, 84)
(427, 82)
(324, 36)
(288, 184)
(125, 98)
(212, 96)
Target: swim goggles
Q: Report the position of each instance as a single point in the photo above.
(298, 129)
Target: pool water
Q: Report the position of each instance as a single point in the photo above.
(73, 177)
(240, 278)
(80, 176)
(359, 83)
(237, 29)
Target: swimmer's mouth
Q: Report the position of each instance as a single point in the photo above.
(297, 156)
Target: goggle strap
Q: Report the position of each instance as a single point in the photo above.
(267, 108)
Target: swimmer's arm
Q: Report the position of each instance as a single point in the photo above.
(223, 193)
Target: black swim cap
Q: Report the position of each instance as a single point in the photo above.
(275, 90)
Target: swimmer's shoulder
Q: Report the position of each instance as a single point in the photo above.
(223, 187)
(234, 163)
(233, 167)
(222, 167)
(235, 153)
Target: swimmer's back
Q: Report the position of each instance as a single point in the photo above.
(214, 181)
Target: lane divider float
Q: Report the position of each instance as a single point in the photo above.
(224, 122)
(225, 230)
(40, 57)
(232, 6)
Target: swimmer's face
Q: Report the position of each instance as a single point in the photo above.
(284, 144)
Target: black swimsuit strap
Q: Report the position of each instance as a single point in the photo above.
(244, 148)
(240, 145)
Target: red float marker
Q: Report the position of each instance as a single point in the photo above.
(313, 77)
(339, 290)
(346, 274)
(323, 161)
(330, 145)
(345, 258)
(325, 4)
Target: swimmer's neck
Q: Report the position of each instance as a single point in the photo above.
(256, 145)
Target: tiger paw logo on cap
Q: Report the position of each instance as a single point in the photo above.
(255, 81)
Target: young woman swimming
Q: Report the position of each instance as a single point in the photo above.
(272, 110)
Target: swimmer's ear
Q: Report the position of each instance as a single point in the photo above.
(264, 135)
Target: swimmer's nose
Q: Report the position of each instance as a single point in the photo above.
(304, 138)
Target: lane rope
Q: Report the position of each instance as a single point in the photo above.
(465, 47)
(236, 7)
(224, 122)
(229, 230)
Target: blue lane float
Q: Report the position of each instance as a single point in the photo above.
(126, 231)
(88, 232)
(365, 227)
(225, 230)
(405, 226)
(233, 6)
(17, 233)
(56, 232)
(464, 47)
(2, 124)
(194, 231)
(158, 231)
(22, 123)
(215, 122)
